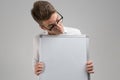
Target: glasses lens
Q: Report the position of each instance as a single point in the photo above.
(51, 26)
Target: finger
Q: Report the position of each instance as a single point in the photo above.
(89, 62)
(90, 66)
(38, 69)
(89, 69)
(40, 66)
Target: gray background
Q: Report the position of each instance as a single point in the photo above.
(99, 19)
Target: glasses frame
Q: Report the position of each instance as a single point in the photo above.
(53, 25)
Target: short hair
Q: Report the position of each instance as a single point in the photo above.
(42, 10)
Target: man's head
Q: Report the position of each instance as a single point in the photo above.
(47, 17)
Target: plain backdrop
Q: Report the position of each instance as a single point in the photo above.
(99, 19)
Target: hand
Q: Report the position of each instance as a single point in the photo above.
(38, 68)
(89, 67)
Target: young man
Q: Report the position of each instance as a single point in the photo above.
(50, 21)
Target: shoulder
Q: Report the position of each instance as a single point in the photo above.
(72, 31)
(37, 36)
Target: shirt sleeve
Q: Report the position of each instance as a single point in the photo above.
(76, 31)
(35, 49)
(72, 31)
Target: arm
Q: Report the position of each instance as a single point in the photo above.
(38, 66)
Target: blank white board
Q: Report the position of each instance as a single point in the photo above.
(64, 56)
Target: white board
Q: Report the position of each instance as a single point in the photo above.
(64, 56)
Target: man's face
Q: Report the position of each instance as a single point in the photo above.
(54, 24)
